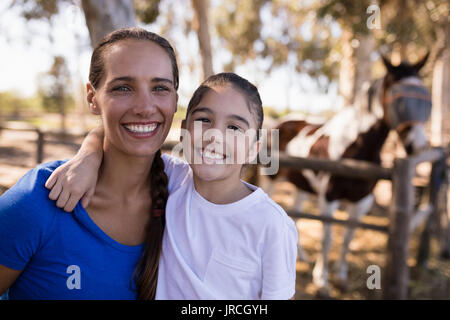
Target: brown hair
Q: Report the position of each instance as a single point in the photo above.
(147, 269)
(97, 68)
(248, 90)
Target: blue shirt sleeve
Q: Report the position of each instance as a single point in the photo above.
(26, 215)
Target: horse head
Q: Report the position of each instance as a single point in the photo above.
(406, 103)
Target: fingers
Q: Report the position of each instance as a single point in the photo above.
(52, 179)
(62, 199)
(87, 197)
(71, 203)
(56, 190)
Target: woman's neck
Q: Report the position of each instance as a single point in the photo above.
(222, 191)
(124, 175)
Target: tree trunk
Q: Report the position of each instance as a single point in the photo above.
(104, 16)
(201, 9)
(363, 63)
(347, 69)
(62, 114)
(440, 113)
(355, 66)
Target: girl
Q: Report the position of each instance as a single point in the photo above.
(110, 248)
(224, 238)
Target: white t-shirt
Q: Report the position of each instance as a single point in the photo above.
(242, 250)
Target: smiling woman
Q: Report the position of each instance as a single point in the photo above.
(136, 94)
(115, 242)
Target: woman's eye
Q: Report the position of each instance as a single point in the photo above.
(161, 89)
(121, 89)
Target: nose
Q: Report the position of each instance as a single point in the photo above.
(416, 140)
(213, 135)
(409, 149)
(144, 104)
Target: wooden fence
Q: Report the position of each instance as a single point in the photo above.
(403, 220)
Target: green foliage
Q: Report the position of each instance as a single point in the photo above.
(54, 87)
(249, 32)
(13, 105)
(349, 13)
(39, 9)
(147, 10)
(239, 24)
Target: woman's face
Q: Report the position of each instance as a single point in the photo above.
(136, 97)
(222, 134)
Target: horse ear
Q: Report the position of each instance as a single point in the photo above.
(422, 62)
(390, 68)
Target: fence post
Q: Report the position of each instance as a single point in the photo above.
(40, 146)
(396, 272)
(436, 181)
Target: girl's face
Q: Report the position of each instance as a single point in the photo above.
(222, 134)
(136, 97)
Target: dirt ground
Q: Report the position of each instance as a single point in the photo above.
(18, 155)
(367, 248)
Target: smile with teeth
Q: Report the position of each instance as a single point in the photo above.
(136, 128)
(211, 154)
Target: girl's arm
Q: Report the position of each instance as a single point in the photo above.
(77, 178)
(279, 259)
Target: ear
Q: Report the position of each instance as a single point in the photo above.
(390, 68)
(91, 99)
(422, 62)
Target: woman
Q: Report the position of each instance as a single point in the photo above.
(46, 254)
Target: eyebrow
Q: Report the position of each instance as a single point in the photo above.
(239, 118)
(233, 116)
(128, 78)
(202, 109)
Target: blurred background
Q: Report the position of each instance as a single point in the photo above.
(309, 59)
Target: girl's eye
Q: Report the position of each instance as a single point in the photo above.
(206, 120)
(234, 128)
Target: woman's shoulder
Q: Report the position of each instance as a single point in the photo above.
(33, 181)
(28, 198)
(27, 216)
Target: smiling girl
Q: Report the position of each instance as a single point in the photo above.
(224, 238)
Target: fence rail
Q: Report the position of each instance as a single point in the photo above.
(403, 220)
(344, 167)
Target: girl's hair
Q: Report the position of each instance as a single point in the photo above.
(248, 90)
(147, 269)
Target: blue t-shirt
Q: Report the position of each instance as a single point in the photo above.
(62, 255)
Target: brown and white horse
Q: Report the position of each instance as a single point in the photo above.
(398, 101)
